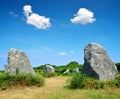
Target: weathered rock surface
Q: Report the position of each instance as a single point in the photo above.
(97, 63)
(49, 69)
(18, 62)
(76, 70)
(67, 71)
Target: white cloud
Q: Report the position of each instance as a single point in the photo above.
(13, 14)
(62, 53)
(27, 10)
(40, 22)
(83, 16)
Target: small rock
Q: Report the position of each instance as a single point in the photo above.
(76, 70)
(67, 71)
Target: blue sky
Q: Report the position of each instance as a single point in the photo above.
(56, 31)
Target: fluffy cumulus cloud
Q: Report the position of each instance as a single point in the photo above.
(27, 10)
(83, 16)
(40, 22)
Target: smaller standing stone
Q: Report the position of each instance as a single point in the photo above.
(67, 71)
(76, 70)
(49, 69)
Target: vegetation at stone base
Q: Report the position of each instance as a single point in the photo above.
(2, 71)
(10, 80)
(81, 81)
(59, 70)
(118, 67)
(54, 89)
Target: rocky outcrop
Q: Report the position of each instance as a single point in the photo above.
(76, 70)
(97, 63)
(49, 69)
(18, 62)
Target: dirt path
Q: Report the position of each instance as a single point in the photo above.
(54, 82)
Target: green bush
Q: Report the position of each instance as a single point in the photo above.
(77, 81)
(8, 80)
(74, 64)
(90, 83)
(59, 70)
(4, 80)
(2, 71)
(115, 83)
(35, 80)
(81, 81)
(118, 67)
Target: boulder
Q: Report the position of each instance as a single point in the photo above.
(49, 69)
(97, 63)
(76, 70)
(67, 71)
(18, 62)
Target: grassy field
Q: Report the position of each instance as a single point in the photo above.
(55, 89)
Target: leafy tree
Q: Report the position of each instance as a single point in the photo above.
(118, 66)
(74, 64)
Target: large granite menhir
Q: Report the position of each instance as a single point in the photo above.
(18, 62)
(97, 63)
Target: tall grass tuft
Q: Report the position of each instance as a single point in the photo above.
(9, 80)
(81, 81)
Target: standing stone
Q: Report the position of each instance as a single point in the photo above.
(49, 69)
(97, 63)
(67, 71)
(76, 70)
(18, 62)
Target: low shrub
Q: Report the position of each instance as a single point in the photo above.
(8, 80)
(77, 81)
(90, 83)
(74, 64)
(115, 83)
(81, 81)
(4, 80)
(2, 71)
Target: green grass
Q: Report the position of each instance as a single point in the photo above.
(9, 80)
(55, 89)
(81, 81)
